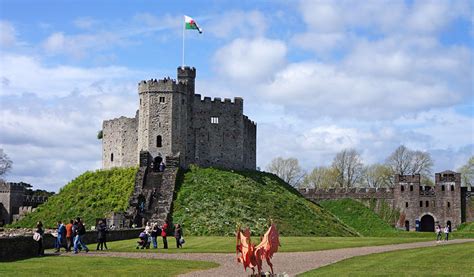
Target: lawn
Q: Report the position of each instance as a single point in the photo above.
(99, 266)
(288, 244)
(452, 260)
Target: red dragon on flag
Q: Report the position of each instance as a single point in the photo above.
(252, 256)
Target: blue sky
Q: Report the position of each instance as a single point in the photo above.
(316, 76)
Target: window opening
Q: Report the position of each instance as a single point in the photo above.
(427, 203)
(449, 205)
(442, 187)
(214, 120)
(406, 204)
(411, 188)
(403, 188)
(452, 188)
(158, 141)
(421, 203)
(162, 99)
(112, 157)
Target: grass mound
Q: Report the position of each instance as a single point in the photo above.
(466, 227)
(91, 195)
(213, 202)
(361, 218)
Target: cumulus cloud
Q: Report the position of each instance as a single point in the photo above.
(250, 59)
(237, 23)
(50, 117)
(8, 34)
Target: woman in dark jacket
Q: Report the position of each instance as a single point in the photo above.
(178, 233)
(101, 235)
(40, 231)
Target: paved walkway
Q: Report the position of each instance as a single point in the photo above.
(290, 263)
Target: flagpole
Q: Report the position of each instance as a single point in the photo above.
(184, 26)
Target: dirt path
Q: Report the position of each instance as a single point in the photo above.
(290, 263)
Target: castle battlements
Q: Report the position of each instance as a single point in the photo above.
(173, 120)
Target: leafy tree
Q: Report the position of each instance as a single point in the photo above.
(5, 163)
(377, 176)
(467, 173)
(321, 177)
(100, 134)
(349, 167)
(288, 170)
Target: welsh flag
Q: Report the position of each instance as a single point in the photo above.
(191, 24)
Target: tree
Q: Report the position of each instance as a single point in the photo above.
(467, 173)
(404, 161)
(321, 177)
(377, 176)
(349, 167)
(5, 163)
(288, 170)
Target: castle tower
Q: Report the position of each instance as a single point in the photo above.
(187, 77)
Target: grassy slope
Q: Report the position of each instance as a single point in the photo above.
(359, 217)
(214, 202)
(99, 266)
(452, 260)
(90, 196)
(214, 244)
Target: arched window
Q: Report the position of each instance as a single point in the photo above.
(158, 141)
(112, 157)
(403, 188)
(411, 188)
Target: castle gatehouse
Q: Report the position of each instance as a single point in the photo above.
(420, 207)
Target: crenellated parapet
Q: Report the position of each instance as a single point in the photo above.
(161, 85)
(340, 193)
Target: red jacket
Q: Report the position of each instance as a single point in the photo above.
(163, 230)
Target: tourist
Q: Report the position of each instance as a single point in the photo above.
(80, 231)
(438, 233)
(69, 236)
(38, 236)
(61, 233)
(164, 228)
(446, 233)
(101, 235)
(162, 166)
(178, 234)
(143, 242)
(154, 234)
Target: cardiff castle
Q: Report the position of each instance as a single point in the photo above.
(173, 121)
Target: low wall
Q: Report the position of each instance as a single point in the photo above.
(19, 247)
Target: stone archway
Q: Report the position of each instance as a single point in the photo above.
(427, 223)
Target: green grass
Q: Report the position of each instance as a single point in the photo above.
(361, 218)
(466, 227)
(452, 260)
(213, 202)
(99, 266)
(91, 195)
(288, 244)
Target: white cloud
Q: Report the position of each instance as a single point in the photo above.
(85, 22)
(237, 23)
(250, 60)
(8, 34)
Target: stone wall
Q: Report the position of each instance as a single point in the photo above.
(19, 247)
(119, 142)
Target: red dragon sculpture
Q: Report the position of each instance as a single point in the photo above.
(252, 256)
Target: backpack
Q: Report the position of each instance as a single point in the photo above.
(81, 230)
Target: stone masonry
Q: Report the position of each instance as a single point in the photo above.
(173, 121)
(446, 203)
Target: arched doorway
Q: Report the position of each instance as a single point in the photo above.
(449, 225)
(407, 225)
(427, 223)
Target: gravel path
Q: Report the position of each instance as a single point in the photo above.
(290, 263)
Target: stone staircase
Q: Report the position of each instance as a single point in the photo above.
(153, 194)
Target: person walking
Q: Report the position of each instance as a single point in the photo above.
(61, 234)
(446, 233)
(101, 235)
(38, 236)
(438, 233)
(178, 234)
(154, 234)
(69, 236)
(80, 231)
(164, 228)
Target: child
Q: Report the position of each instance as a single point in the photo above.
(143, 242)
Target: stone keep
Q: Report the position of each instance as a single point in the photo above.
(174, 121)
